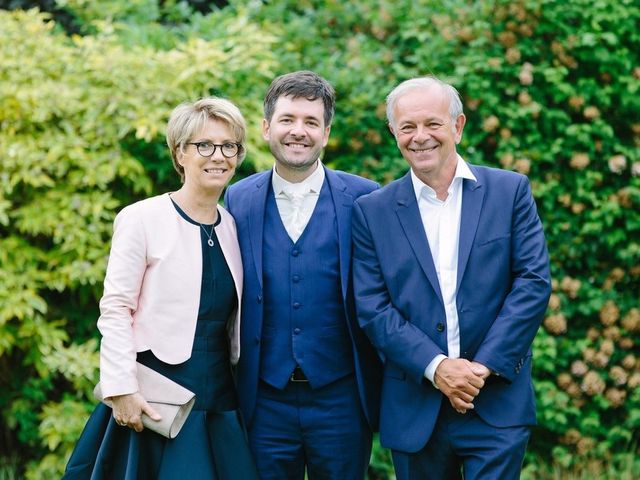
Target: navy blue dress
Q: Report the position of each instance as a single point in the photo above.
(212, 443)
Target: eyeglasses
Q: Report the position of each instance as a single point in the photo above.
(207, 149)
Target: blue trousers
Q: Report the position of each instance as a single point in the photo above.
(322, 430)
(464, 446)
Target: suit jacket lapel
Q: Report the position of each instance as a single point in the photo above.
(409, 216)
(256, 221)
(342, 203)
(472, 198)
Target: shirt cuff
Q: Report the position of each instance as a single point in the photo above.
(430, 371)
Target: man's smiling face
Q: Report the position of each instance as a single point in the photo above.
(296, 133)
(425, 132)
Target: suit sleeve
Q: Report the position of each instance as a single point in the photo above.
(397, 339)
(227, 200)
(508, 340)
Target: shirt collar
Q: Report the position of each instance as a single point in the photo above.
(462, 172)
(313, 183)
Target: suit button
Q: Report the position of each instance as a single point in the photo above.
(296, 305)
(440, 327)
(296, 330)
(295, 253)
(295, 278)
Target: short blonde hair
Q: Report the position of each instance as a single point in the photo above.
(189, 118)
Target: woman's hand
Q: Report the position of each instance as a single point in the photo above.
(128, 410)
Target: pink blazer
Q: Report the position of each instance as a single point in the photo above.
(152, 289)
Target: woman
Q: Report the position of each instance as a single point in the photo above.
(171, 302)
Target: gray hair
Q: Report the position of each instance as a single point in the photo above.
(455, 103)
(189, 118)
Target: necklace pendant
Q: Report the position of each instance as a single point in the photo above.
(210, 242)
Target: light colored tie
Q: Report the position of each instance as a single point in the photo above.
(295, 223)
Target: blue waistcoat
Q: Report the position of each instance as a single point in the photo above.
(304, 319)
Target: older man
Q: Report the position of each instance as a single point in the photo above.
(451, 277)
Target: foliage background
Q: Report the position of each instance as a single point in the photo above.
(551, 89)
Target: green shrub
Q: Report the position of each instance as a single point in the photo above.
(551, 89)
(81, 134)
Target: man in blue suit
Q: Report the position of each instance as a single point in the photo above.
(308, 377)
(451, 277)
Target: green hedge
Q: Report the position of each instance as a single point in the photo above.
(551, 89)
(81, 134)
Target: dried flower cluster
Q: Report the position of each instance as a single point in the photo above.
(629, 362)
(626, 343)
(618, 375)
(607, 347)
(624, 197)
(585, 445)
(579, 368)
(571, 437)
(579, 161)
(570, 286)
(522, 165)
(617, 274)
(576, 102)
(491, 123)
(601, 371)
(564, 380)
(591, 113)
(631, 321)
(615, 396)
(512, 55)
(524, 98)
(556, 324)
(526, 74)
(612, 333)
(561, 54)
(554, 302)
(593, 384)
(601, 359)
(506, 160)
(617, 163)
(593, 333)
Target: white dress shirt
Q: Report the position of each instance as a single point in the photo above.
(296, 201)
(441, 222)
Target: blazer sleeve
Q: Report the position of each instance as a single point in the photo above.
(397, 339)
(226, 200)
(509, 338)
(125, 271)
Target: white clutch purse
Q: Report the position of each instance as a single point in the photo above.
(173, 402)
